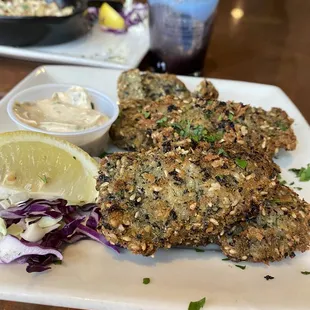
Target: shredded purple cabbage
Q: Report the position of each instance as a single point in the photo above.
(79, 222)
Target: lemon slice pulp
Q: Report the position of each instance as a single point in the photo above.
(110, 18)
(39, 163)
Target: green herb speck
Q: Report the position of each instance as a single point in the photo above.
(282, 126)
(220, 118)
(298, 188)
(196, 133)
(241, 267)
(92, 105)
(303, 173)
(199, 250)
(162, 121)
(43, 178)
(222, 151)
(197, 305)
(241, 163)
(57, 262)
(74, 157)
(225, 259)
(146, 114)
(306, 273)
(146, 281)
(292, 183)
(231, 117)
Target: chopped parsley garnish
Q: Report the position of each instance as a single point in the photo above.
(222, 151)
(303, 173)
(196, 133)
(146, 114)
(57, 262)
(231, 117)
(92, 105)
(268, 277)
(306, 273)
(241, 267)
(214, 137)
(282, 126)
(162, 122)
(209, 101)
(43, 178)
(220, 117)
(197, 305)
(241, 163)
(225, 259)
(281, 181)
(298, 188)
(199, 250)
(74, 157)
(292, 183)
(146, 280)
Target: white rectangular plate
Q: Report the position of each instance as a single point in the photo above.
(96, 48)
(93, 277)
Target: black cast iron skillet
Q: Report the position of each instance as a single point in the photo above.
(49, 30)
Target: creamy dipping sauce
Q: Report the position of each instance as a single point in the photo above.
(68, 111)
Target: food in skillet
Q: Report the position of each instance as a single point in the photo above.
(33, 8)
(157, 200)
(141, 124)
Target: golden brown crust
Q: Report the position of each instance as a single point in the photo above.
(205, 89)
(142, 124)
(280, 229)
(134, 84)
(154, 200)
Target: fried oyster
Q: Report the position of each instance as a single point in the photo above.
(135, 84)
(152, 200)
(144, 124)
(280, 229)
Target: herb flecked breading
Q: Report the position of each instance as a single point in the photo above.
(197, 119)
(157, 200)
(135, 84)
(280, 229)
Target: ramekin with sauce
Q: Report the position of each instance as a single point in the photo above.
(80, 115)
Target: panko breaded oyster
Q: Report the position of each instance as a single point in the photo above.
(206, 89)
(152, 200)
(280, 229)
(135, 84)
(141, 124)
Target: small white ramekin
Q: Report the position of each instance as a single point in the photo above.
(92, 140)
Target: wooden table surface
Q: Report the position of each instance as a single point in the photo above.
(269, 44)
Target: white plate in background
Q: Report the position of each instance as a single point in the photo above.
(93, 277)
(96, 48)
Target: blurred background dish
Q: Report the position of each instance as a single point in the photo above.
(23, 29)
(33, 8)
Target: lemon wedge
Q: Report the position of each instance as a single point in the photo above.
(110, 18)
(39, 163)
